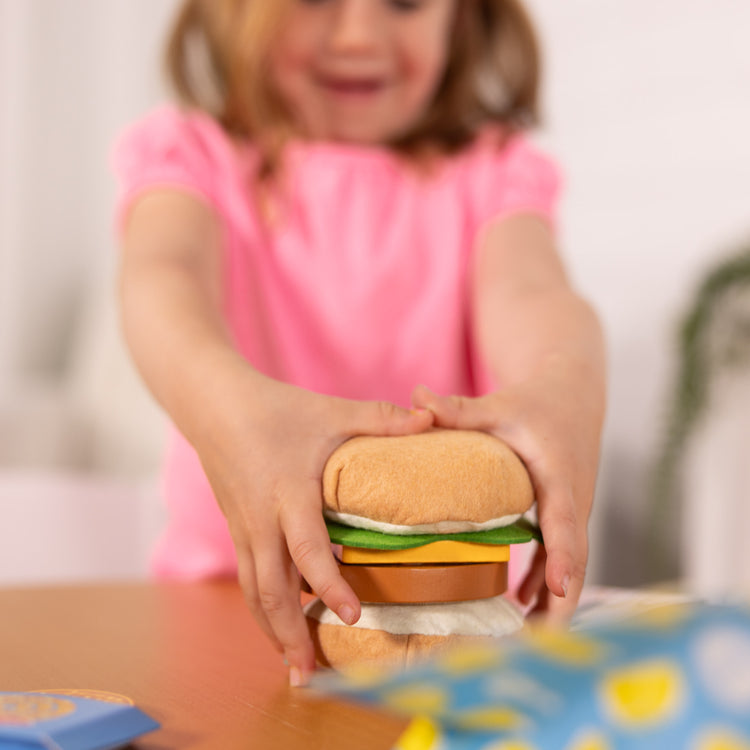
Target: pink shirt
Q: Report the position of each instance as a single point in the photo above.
(358, 290)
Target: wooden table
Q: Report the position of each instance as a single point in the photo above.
(190, 655)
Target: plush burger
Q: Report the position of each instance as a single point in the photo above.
(423, 525)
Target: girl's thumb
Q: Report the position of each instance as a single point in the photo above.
(455, 412)
(385, 418)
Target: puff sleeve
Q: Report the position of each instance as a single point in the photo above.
(166, 149)
(514, 177)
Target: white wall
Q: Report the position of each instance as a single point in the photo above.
(648, 108)
(61, 527)
(71, 74)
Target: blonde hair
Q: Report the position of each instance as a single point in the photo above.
(218, 54)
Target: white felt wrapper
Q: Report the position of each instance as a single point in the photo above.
(441, 527)
(482, 617)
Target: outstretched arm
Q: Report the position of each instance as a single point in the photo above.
(262, 443)
(545, 347)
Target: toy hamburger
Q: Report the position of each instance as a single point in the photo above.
(424, 523)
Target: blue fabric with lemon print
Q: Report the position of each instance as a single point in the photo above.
(674, 678)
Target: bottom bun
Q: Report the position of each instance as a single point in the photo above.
(399, 635)
(341, 647)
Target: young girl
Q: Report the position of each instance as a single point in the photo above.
(342, 222)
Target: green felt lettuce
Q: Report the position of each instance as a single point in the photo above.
(517, 533)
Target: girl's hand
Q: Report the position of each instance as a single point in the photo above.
(557, 437)
(263, 444)
(265, 464)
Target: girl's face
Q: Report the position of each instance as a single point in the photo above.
(362, 71)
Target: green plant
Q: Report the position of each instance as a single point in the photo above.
(714, 334)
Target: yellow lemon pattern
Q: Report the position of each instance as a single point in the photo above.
(364, 675)
(589, 740)
(418, 699)
(511, 745)
(664, 618)
(565, 647)
(678, 679)
(498, 718)
(646, 693)
(718, 738)
(470, 658)
(421, 734)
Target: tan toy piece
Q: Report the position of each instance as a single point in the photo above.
(444, 480)
(418, 600)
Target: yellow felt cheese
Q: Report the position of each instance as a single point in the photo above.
(436, 552)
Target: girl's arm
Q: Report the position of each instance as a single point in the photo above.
(545, 347)
(262, 443)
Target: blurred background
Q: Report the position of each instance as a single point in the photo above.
(647, 106)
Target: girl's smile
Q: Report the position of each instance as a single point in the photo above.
(363, 71)
(350, 88)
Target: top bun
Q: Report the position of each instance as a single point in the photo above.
(439, 481)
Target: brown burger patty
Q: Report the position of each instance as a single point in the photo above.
(421, 584)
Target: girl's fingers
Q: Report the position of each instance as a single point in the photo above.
(249, 586)
(534, 592)
(566, 551)
(456, 412)
(565, 542)
(310, 549)
(533, 582)
(278, 591)
(561, 610)
(541, 605)
(385, 418)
